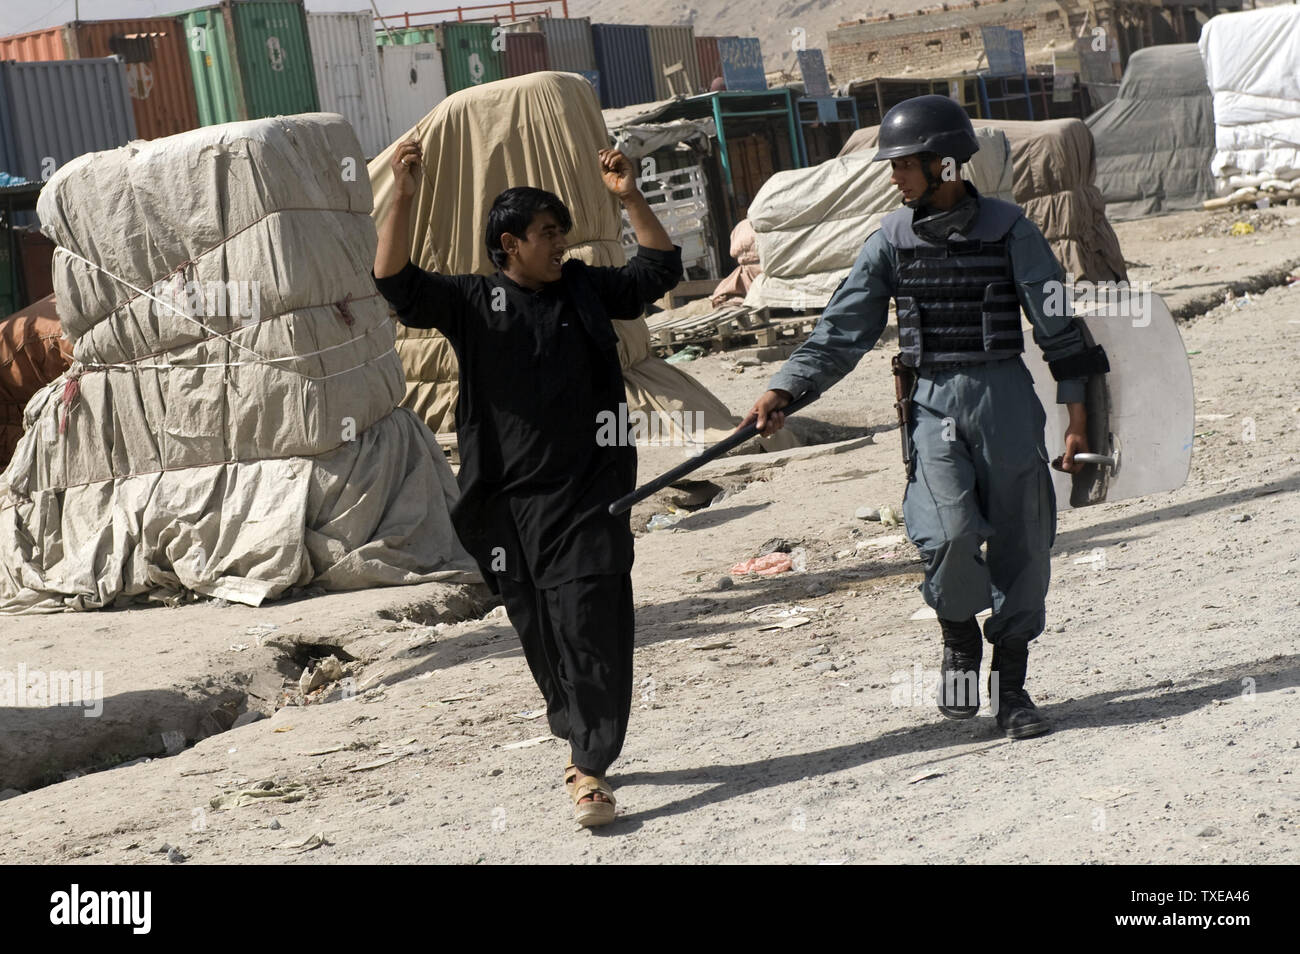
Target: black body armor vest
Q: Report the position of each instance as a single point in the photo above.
(957, 301)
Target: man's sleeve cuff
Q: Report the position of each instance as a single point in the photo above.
(1071, 391)
(794, 384)
(391, 285)
(659, 255)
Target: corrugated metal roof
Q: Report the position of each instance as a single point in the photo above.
(60, 110)
(348, 82)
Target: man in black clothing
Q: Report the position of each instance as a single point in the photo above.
(538, 364)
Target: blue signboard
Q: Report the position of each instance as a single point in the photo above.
(742, 63)
(1005, 50)
(813, 68)
(592, 77)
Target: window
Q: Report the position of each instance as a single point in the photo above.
(965, 38)
(872, 56)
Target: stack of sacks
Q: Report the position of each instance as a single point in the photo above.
(744, 249)
(543, 130)
(1055, 182)
(228, 427)
(1252, 66)
(810, 223)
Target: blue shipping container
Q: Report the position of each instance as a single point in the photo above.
(623, 61)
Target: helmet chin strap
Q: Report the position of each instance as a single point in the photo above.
(932, 183)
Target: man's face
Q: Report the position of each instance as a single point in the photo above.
(540, 249)
(908, 177)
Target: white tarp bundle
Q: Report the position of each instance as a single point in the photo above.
(1252, 66)
(228, 426)
(810, 223)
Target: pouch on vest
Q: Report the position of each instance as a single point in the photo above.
(1001, 320)
(909, 330)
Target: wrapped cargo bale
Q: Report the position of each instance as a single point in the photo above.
(809, 224)
(228, 427)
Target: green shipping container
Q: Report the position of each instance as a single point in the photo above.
(250, 60)
(471, 54)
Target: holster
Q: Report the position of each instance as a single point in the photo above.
(904, 390)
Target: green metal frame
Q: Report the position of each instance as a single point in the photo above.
(791, 112)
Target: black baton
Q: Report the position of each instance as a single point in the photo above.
(717, 450)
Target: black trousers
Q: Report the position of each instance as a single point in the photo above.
(577, 638)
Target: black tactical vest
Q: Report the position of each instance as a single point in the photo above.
(957, 302)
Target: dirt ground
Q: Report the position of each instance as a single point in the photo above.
(1169, 667)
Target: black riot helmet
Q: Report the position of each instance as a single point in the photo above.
(933, 124)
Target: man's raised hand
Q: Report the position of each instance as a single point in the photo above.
(616, 170)
(406, 166)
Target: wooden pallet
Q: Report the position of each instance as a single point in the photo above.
(775, 328)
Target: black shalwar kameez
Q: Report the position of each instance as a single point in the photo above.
(537, 371)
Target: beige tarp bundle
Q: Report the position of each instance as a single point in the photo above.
(1054, 181)
(228, 427)
(543, 130)
(810, 223)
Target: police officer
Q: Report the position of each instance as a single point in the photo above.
(960, 267)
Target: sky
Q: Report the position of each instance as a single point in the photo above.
(19, 16)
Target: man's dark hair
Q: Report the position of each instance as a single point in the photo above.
(514, 210)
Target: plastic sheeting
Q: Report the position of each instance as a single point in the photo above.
(544, 130)
(1155, 140)
(235, 446)
(1252, 67)
(810, 223)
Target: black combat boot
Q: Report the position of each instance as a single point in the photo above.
(959, 677)
(1017, 716)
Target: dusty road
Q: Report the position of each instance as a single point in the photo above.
(1170, 668)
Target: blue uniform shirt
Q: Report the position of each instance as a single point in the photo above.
(858, 312)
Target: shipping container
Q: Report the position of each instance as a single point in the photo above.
(250, 59)
(346, 62)
(157, 69)
(472, 54)
(407, 36)
(710, 62)
(623, 59)
(47, 44)
(414, 83)
(568, 43)
(56, 111)
(525, 53)
(158, 75)
(670, 45)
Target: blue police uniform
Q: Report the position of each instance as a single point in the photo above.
(979, 470)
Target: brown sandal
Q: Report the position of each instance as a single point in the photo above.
(570, 778)
(592, 813)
